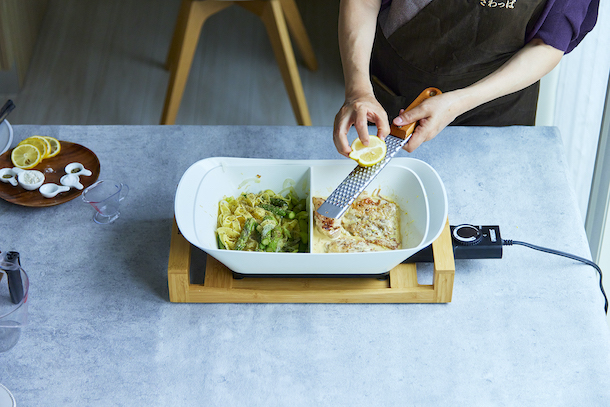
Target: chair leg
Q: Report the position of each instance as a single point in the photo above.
(272, 16)
(178, 35)
(193, 14)
(299, 34)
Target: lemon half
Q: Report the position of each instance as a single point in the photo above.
(370, 155)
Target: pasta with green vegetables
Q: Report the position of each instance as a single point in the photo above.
(263, 222)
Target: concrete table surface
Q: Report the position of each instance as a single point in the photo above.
(528, 329)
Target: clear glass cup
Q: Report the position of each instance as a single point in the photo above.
(105, 197)
(13, 317)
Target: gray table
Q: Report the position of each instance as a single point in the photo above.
(526, 330)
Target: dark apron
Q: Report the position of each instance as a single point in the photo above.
(450, 44)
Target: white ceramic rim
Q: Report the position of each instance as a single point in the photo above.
(10, 395)
(10, 137)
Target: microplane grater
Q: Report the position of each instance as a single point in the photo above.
(357, 180)
(352, 186)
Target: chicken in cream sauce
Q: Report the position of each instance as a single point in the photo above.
(372, 223)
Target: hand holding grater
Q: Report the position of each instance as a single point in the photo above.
(352, 186)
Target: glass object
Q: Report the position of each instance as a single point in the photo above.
(14, 287)
(105, 197)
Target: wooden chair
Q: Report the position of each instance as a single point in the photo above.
(279, 16)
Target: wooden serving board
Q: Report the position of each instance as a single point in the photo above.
(53, 170)
(219, 286)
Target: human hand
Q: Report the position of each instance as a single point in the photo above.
(358, 112)
(432, 115)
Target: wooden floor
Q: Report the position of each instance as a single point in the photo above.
(101, 62)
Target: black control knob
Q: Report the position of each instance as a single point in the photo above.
(467, 235)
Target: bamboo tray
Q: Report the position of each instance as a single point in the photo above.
(219, 286)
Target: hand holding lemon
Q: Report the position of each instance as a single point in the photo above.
(367, 156)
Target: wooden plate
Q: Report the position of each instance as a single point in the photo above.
(53, 170)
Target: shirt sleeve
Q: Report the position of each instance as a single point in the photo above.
(564, 23)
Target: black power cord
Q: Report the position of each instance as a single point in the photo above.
(569, 256)
(484, 242)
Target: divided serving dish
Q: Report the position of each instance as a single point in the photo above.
(413, 184)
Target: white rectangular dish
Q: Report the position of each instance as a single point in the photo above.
(411, 183)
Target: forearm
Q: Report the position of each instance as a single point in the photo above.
(527, 66)
(357, 25)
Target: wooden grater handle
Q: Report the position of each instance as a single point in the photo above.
(408, 129)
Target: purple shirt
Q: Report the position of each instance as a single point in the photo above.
(563, 23)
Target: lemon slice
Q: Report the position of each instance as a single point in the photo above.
(40, 143)
(55, 146)
(370, 155)
(26, 156)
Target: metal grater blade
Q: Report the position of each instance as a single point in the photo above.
(353, 185)
(357, 180)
